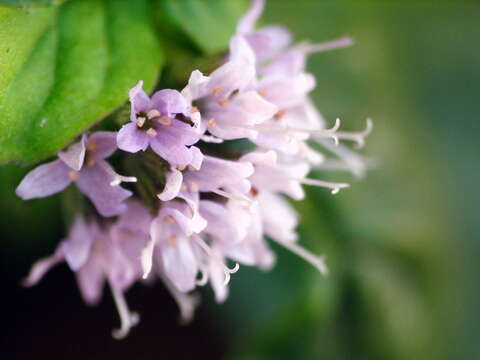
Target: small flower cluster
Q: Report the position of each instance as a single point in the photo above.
(210, 209)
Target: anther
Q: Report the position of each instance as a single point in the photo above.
(193, 186)
(223, 102)
(73, 175)
(216, 91)
(151, 132)
(195, 109)
(153, 114)
(169, 219)
(262, 92)
(90, 161)
(91, 146)
(173, 240)
(212, 122)
(280, 114)
(165, 120)
(140, 121)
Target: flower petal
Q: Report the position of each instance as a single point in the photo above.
(179, 263)
(130, 138)
(44, 180)
(76, 247)
(246, 24)
(75, 154)
(174, 180)
(95, 181)
(139, 100)
(169, 102)
(102, 144)
(90, 280)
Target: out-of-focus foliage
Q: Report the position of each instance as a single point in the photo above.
(210, 23)
(31, 3)
(64, 68)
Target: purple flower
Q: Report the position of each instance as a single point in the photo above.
(160, 122)
(96, 258)
(229, 104)
(83, 163)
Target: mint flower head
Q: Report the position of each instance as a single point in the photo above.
(203, 205)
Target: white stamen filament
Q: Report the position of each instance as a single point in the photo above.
(241, 198)
(336, 187)
(117, 178)
(330, 133)
(127, 319)
(358, 137)
(315, 260)
(327, 46)
(226, 270)
(211, 139)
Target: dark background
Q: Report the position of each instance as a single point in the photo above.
(402, 244)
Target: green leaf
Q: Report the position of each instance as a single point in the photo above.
(210, 23)
(64, 68)
(28, 3)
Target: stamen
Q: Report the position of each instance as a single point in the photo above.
(181, 167)
(127, 319)
(194, 109)
(317, 261)
(173, 240)
(326, 46)
(90, 161)
(169, 219)
(358, 137)
(262, 92)
(240, 198)
(193, 186)
(336, 187)
(280, 114)
(216, 91)
(165, 120)
(153, 114)
(226, 270)
(151, 132)
(212, 122)
(211, 139)
(73, 175)
(141, 121)
(146, 258)
(120, 178)
(91, 146)
(223, 102)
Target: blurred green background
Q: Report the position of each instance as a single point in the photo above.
(401, 244)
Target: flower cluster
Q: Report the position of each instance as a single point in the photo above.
(209, 208)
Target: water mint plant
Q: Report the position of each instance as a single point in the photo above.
(209, 168)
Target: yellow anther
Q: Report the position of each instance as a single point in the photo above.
(165, 120)
(73, 175)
